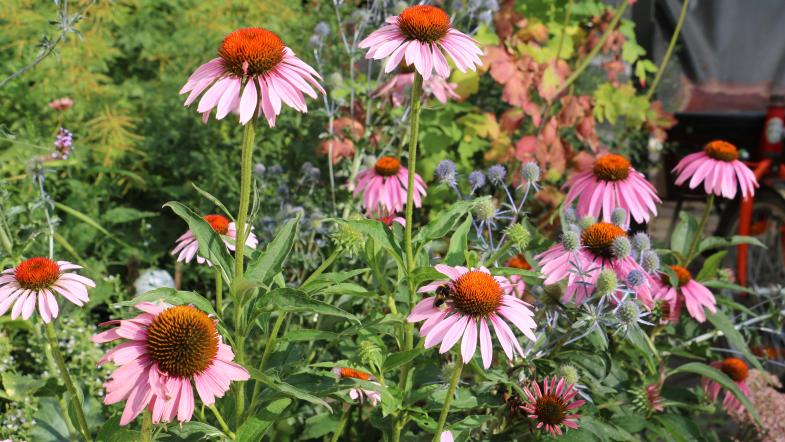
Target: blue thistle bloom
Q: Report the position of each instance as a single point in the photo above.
(497, 173)
(445, 172)
(476, 180)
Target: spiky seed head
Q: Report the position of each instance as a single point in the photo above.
(519, 235)
(650, 261)
(641, 241)
(607, 282)
(627, 313)
(530, 172)
(635, 278)
(587, 221)
(571, 241)
(619, 216)
(621, 247)
(485, 209)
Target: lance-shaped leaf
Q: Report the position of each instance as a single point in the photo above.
(211, 245)
(264, 266)
(292, 300)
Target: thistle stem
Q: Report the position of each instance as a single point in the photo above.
(69, 385)
(456, 376)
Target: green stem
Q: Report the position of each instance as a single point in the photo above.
(699, 234)
(69, 385)
(456, 376)
(221, 421)
(669, 51)
(218, 292)
(245, 197)
(341, 425)
(147, 426)
(567, 15)
(499, 253)
(595, 50)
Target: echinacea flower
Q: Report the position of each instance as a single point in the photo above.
(737, 371)
(420, 36)
(388, 218)
(518, 284)
(385, 184)
(166, 349)
(553, 405)
(612, 182)
(187, 245)
(359, 394)
(475, 298)
(253, 74)
(694, 295)
(598, 247)
(37, 280)
(61, 104)
(396, 88)
(718, 167)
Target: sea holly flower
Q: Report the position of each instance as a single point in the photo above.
(166, 348)
(384, 186)
(737, 370)
(253, 74)
(475, 297)
(612, 183)
(420, 36)
(187, 245)
(551, 406)
(359, 394)
(38, 280)
(694, 295)
(718, 167)
(599, 247)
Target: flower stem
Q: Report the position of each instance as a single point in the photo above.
(699, 234)
(221, 421)
(245, 197)
(218, 292)
(147, 426)
(69, 385)
(456, 376)
(669, 51)
(341, 425)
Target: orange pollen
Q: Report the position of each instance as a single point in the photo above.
(251, 51)
(424, 23)
(476, 293)
(37, 273)
(182, 340)
(735, 369)
(550, 410)
(683, 275)
(611, 167)
(519, 262)
(387, 166)
(355, 374)
(598, 238)
(722, 151)
(219, 223)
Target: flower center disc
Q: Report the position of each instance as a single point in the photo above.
(722, 151)
(352, 373)
(682, 274)
(476, 293)
(37, 273)
(550, 410)
(611, 167)
(219, 223)
(519, 262)
(735, 369)
(251, 51)
(387, 166)
(424, 23)
(598, 238)
(182, 340)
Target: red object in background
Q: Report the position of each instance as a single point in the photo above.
(771, 140)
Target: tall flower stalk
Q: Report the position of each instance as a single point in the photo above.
(414, 127)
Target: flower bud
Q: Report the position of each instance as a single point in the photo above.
(484, 209)
(619, 216)
(519, 235)
(607, 282)
(348, 238)
(587, 221)
(627, 312)
(530, 172)
(571, 241)
(569, 373)
(650, 261)
(641, 241)
(621, 247)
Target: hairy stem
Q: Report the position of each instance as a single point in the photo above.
(456, 376)
(69, 384)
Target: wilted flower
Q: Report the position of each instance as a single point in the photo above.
(720, 170)
(384, 186)
(187, 246)
(37, 280)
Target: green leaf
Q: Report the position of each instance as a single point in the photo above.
(329, 279)
(264, 266)
(211, 245)
(91, 222)
(319, 425)
(684, 233)
(18, 387)
(395, 360)
(111, 431)
(292, 300)
(426, 274)
(383, 236)
(255, 427)
(714, 242)
(716, 284)
(725, 325)
(711, 265)
(120, 215)
(309, 335)
(282, 387)
(214, 200)
(192, 431)
(719, 377)
(443, 223)
(50, 425)
(172, 296)
(458, 243)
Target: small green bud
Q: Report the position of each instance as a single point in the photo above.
(587, 221)
(627, 312)
(619, 216)
(569, 373)
(571, 241)
(519, 235)
(650, 261)
(607, 282)
(484, 209)
(621, 247)
(348, 238)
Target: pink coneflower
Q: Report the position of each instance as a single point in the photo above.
(720, 170)
(388, 218)
(601, 246)
(475, 297)
(612, 182)
(552, 405)
(359, 394)
(396, 88)
(737, 370)
(187, 245)
(418, 36)
(165, 349)
(61, 104)
(694, 295)
(384, 186)
(38, 280)
(446, 436)
(518, 284)
(253, 74)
